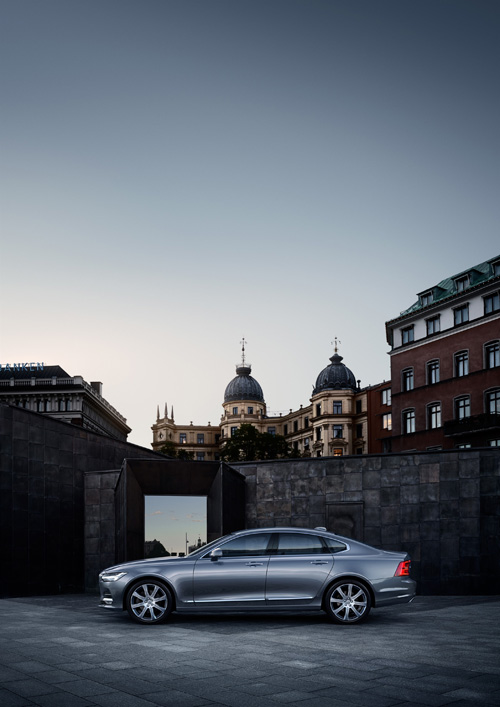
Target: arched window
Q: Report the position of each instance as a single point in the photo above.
(492, 354)
(492, 401)
(434, 415)
(408, 420)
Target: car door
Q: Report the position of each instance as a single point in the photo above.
(237, 578)
(298, 571)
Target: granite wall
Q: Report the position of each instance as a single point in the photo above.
(441, 507)
(42, 463)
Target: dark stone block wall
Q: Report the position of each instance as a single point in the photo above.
(42, 463)
(441, 507)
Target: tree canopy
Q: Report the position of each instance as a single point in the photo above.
(248, 444)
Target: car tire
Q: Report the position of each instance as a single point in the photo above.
(348, 602)
(149, 601)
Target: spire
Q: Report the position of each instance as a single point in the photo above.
(172, 413)
(166, 411)
(335, 343)
(157, 413)
(243, 342)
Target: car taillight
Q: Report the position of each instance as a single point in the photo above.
(403, 569)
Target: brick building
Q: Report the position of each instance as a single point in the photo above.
(445, 364)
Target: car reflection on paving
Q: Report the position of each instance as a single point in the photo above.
(266, 569)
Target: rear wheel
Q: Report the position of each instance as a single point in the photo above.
(149, 602)
(348, 602)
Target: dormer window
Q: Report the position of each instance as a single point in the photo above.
(461, 283)
(426, 299)
(496, 268)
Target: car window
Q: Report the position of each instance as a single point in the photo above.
(300, 544)
(335, 545)
(246, 545)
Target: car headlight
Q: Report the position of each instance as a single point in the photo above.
(111, 576)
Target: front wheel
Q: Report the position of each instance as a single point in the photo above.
(149, 602)
(348, 602)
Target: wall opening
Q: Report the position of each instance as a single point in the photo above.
(174, 525)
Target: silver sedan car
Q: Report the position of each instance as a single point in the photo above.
(267, 569)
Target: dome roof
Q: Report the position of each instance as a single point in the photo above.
(243, 386)
(336, 376)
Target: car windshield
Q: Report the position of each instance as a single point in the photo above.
(204, 548)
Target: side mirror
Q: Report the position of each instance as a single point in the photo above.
(215, 554)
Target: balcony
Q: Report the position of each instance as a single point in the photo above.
(485, 422)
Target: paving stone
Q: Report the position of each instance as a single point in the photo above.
(400, 657)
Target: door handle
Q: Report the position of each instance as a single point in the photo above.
(318, 562)
(254, 564)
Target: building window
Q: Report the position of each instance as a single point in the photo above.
(233, 431)
(432, 372)
(462, 407)
(434, 415)
(296, 446)
(496, 268)
(338, 431)
(337, 407)
(182, 438)
(69, 405)
(466, 445)
(359, 408)
(492, 303)
(62, 405)
(295, 425)
(386, 396)
(359, 430)
(408, 421)
(235, 411)
(306, 443)
(306, 422)
(461, 363)
(494, 443)
(462, 283)
(271, 430)
(318, 433)
(407, 335)
(285, 429)
(387, 421)
(492, 354)
(407, 379)
(338, 452)
(426, 299)
(386, 446)
(461, 314)
(493, 402)
(250, 410)
(318, 409)
(200, 438)
(433, 325)
(200, 456)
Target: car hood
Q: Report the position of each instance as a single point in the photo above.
(150, 560)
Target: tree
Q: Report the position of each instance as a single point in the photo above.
(248, 444)
(170, 450)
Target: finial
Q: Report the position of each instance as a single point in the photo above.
(166, 411)
(157, 413)
(172, 413)
(335, 344)
(243, 342)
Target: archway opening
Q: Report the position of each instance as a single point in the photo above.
(174, 525)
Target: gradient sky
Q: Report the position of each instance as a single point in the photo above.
(177, 175)
(169, 518)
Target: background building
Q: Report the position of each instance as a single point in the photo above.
(334, 423)
(445, 364)
(52, 391)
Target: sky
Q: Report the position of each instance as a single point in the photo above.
(170, 519)
(177, 175)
